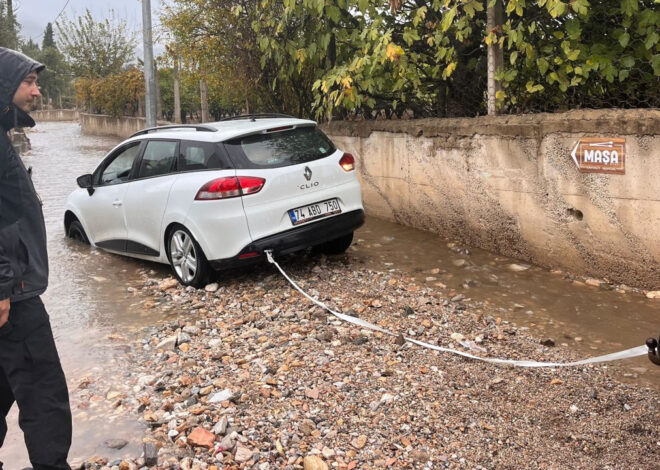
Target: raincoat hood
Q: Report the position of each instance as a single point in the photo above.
(14, 67)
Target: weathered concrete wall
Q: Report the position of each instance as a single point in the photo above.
(55, 115)
(509, 185)
(124, 127)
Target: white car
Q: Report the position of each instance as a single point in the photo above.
(216, 196)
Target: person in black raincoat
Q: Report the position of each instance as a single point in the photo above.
(30, 370)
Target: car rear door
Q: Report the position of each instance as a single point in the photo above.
(147, 196)
(304, 181)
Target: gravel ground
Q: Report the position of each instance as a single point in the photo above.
(250, 374)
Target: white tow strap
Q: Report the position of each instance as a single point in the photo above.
(632, 352)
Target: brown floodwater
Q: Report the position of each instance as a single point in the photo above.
(90, 303)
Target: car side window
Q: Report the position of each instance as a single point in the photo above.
(159, 158)
(202, 156)
(119, 168)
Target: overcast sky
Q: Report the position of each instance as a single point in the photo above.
(34, 15)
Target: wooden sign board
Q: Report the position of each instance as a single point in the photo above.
(600, 155)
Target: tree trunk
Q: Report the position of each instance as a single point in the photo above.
(204, 100)
(177, 92)
(495, 55)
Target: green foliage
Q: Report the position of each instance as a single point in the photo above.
(117, 94)
(8, 25)
(584, 54)
(342, 58)
(95, 49)
(54, 81)
(222, 49)
(189, 93)
(49, 37)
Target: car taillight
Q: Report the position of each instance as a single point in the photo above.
(232, 186)
(347, 162)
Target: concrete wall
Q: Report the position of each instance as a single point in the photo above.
(124, 127)
(55, 115)
(509, 185)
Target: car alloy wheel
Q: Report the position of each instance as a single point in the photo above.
(185, 259)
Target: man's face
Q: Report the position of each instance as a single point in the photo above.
(27, 92)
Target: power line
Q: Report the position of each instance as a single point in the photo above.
(62, 10)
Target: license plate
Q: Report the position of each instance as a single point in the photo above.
(314, 211)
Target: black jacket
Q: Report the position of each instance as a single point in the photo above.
(23, 255)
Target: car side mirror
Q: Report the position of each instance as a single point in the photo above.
(85, 182)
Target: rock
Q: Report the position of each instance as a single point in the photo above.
(224, 395)
(201, 437)
(386, 398)
(653, 294)
(593, 282)
(548, 342)
(243, 454)
(359, 442)
(327, 452)
(168, 344)
(213, 287)
(457, 337)
(150, 454)
(183, 338)
(168, 284)
(221, 426)
(419, 456)
(459, 263)
(116, 443)
(314, 462)
(516, 267)
(227, 443)
(307, 426)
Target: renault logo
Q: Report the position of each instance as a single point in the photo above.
(308, 173)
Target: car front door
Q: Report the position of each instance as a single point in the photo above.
(147, 195)
(103, 211)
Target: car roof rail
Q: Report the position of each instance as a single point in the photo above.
(254, 117)
(196, 127)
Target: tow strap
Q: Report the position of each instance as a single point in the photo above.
(625, 354)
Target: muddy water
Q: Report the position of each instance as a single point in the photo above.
(90, 304)
(590, 320)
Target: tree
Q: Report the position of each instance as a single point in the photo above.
(54, 81)
(224, 46)
(49, 38)
(95, 49)
(8, 25)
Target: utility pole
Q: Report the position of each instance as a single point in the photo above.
(495, 18)
(150, 102)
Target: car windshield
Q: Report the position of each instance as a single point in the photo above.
(282, 148)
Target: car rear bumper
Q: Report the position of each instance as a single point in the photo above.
(295, 239)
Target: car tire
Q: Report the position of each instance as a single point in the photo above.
(77, 232)
(337, 246)
(186, 258)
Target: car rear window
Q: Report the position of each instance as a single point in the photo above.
(201, 156)
(283, 147)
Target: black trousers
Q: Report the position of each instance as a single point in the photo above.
(31, 376)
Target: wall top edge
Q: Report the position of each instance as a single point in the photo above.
(610, 121)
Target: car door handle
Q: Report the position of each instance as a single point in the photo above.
(117, 203)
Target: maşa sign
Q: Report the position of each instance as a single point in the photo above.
(600, 155)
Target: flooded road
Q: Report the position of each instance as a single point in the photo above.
(90, 302)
